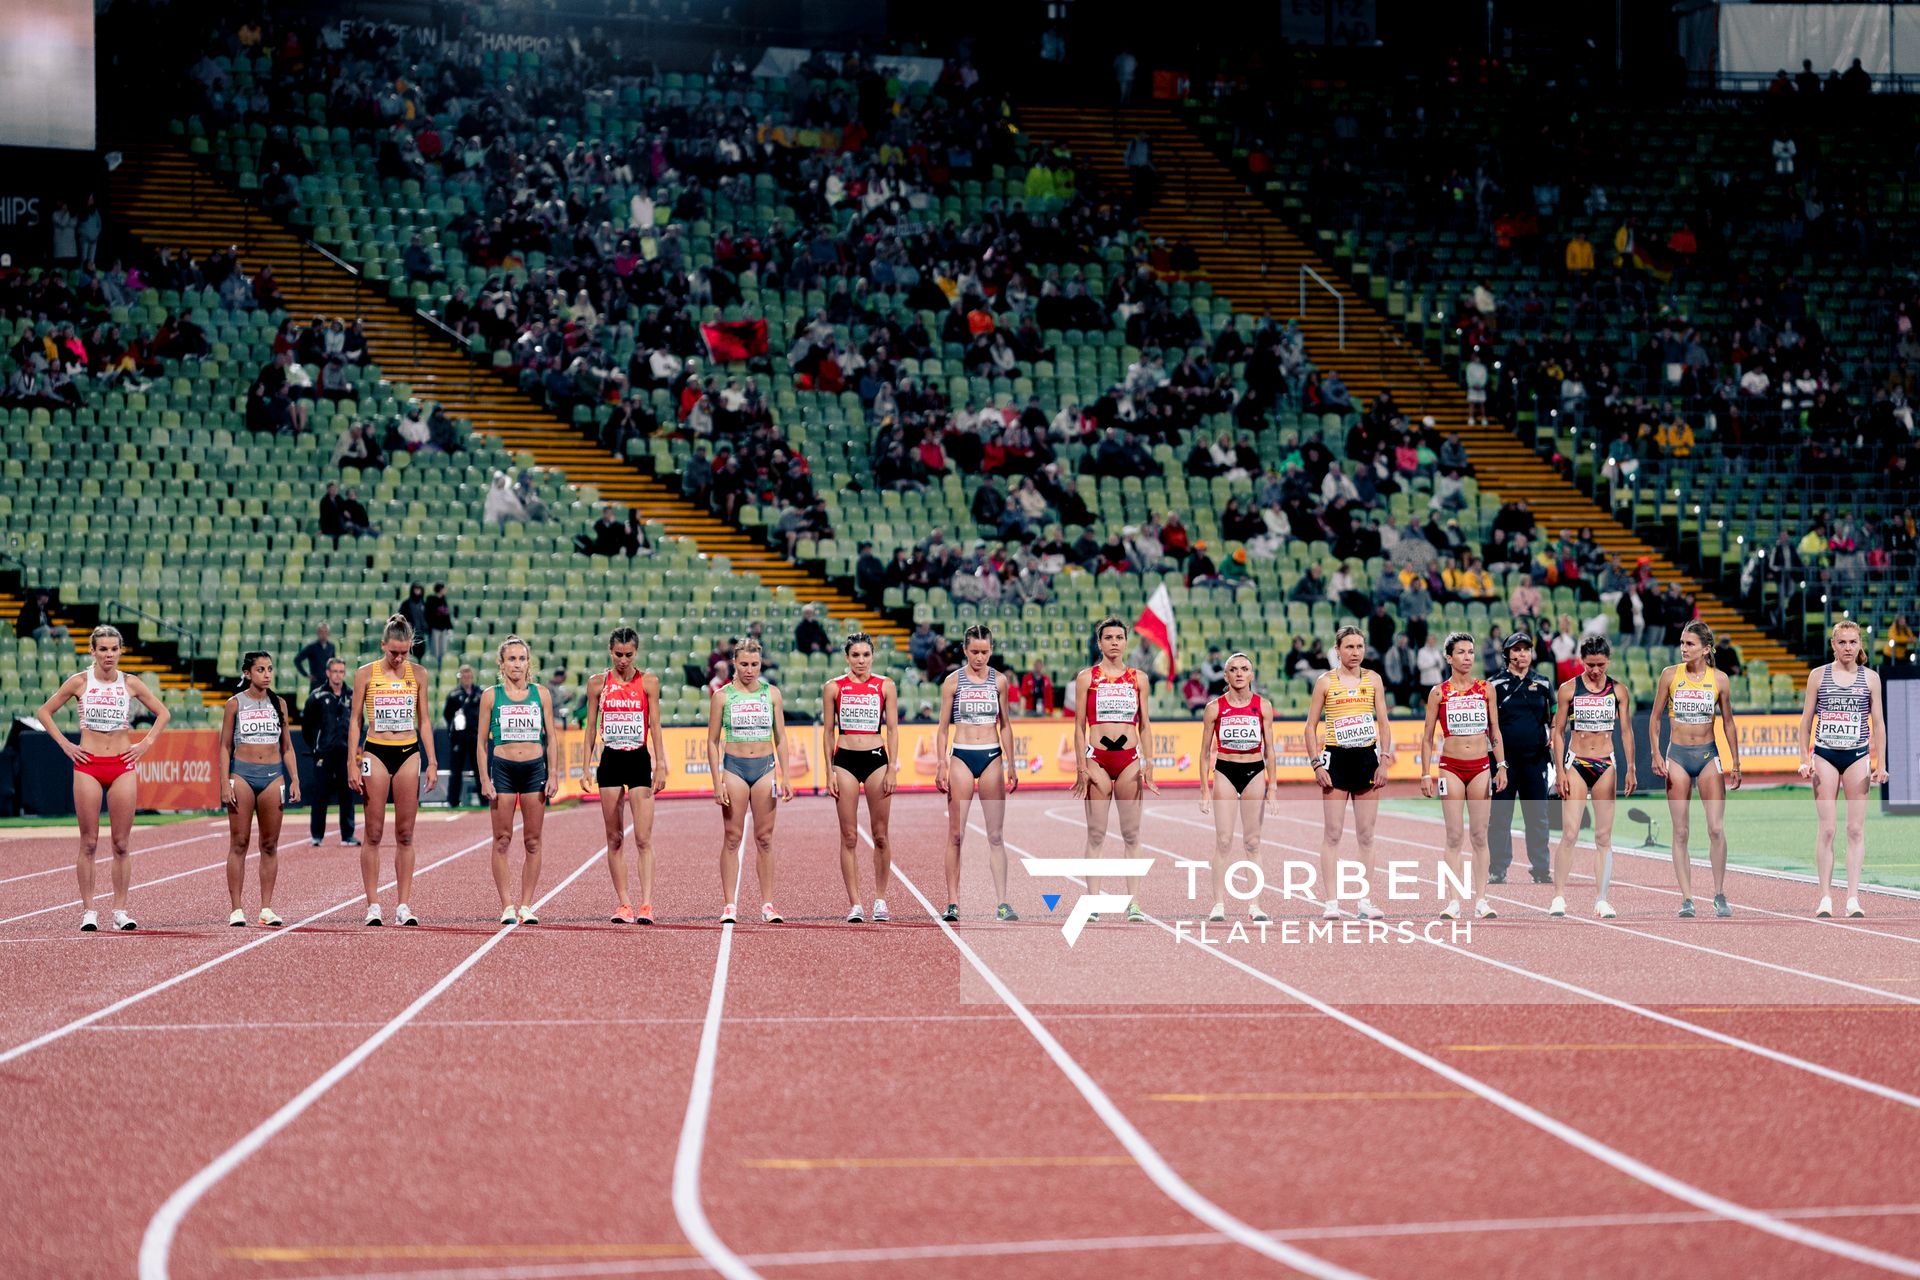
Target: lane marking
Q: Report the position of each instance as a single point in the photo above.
(939, 1162)
(840, 1023)
(78, 1024)
(370, 1252)
(1399, 1095)
(1143, 1152)
(156, 1243)
(101, 860)
(1089, 1244)
(1556, 1047)
(1653, 1015)
(688, 1210)
(1634, 1168)
(1795, 1008)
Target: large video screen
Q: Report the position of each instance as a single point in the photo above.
(46, 74)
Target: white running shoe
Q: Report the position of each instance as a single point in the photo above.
(768, 915)
(1367, 911)
(124, 922)
(728, 915)
(1257, 915)
(509, 916)
(1825, 909)
(880, 915)
(1332, 910)
(1452, 910)
(526, 916)
(270, 919)
(1853, 910)
(1219, 913)
(373, 914)
(403, 914)
(238, 920)
(1604, 909)
(856, 915)
(89, 922)
(1559, 907)
(1484, 910)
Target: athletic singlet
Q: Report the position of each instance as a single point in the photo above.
(105, 705)
(747, 717)
(860, 703)
(523, 721)
(1239, 728)
(1114, 701)
(1691, 701)
(1463, 712)
(1348, 713)
(1841, 711)
(1594, 712)
(976, 701)
(256, 721)
(391, 706)
(623, 712)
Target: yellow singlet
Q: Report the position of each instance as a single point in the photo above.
(1347, 714)
(1692, 701)
(391, 707)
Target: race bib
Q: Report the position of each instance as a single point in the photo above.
(623, 730)
(1361, 731)
(1593, 712)
(1465, 715)
(1239, 733)
(393, 715)
(752, 721)
(1840, 729)
(460, 721)
(257, 726)
(859, 712)
(103, 709)
(976, 704)
(519, 721)
(1116, 704)
(1693, 706)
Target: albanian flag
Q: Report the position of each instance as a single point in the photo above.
(735, 339)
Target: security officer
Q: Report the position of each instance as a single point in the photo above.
(324, 725)
(1525, 700)
(462, 714)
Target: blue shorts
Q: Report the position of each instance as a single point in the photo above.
(749, 769)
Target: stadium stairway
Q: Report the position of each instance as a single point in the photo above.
(1253, 258)
(164, 196)
(145, 661)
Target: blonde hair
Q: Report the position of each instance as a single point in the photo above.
(500, 654)
(746, 644)
(1845, 624)
(103, 632)
(397, 628)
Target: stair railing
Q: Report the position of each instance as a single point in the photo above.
(1339, 301)
(31, 578)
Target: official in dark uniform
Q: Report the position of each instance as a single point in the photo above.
(324, 725)
(1524, 698)
(462, 714)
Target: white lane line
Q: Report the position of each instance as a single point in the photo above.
(101, 860)
(836, 1020)
(1639, 1170)
(688, 1210)
(157, 1243)
(1091, 1244)
(1151, 1162)
(1831, 1074)
(1835, 923)
(78, 1024)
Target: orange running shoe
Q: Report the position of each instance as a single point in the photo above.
(624, 915)
(646, 913)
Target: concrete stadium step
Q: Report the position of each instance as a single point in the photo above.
(165, 196)
(1253, 259)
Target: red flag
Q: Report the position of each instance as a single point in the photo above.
(735, 339)
(1156, 625)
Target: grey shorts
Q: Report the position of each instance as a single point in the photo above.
(1695, 758)
(257, 776)
(749, 769)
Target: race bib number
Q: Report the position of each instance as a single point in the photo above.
(1840, 729)
(393, 715)
(977, 704)
(752, 721)
(257, 726)
(366, 766)
(1116, 704)
(1593, 713)
(623, 730)
(1693, 706)
(519, 722)
(1360, 731)
(1466, 716)
(1240, 733)
(859, 713)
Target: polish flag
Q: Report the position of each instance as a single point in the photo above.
(1156, 624)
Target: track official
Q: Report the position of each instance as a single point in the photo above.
(324, 724)
(1525, 700)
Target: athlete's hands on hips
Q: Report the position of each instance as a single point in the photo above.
(131, 756)
(356, 774)
(74, 753)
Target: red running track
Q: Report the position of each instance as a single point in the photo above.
(876, 1108)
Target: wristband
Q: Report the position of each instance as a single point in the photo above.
(1325, 760)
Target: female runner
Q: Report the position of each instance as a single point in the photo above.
(976, 708)
(257, 760)
(1348, 717)
(1110, 723)
(1595, 703)
(1843, 744)
(390, 695)
(747, 752)
(860, 712)
(1695, 695)
(622, 719)
(1237, 778)
(1469, 726)
(516, 771)
(103, 764)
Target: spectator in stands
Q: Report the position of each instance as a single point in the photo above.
(440, 613)
(1524, 605)
(562, 695)
(1431, 665)
(358, 448)
(1311, 589)
(869, 574)
(414, 609)
(922, 643)
(530, 500)
(809, 636)
(418, 263)
(1234, 574)
(1037, 690)
(608, 537)
(502, 504)
(1898, 642)
(1579, 256)
(1416, 604)
(36, 620)
(315, 656)
(1401, 671)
